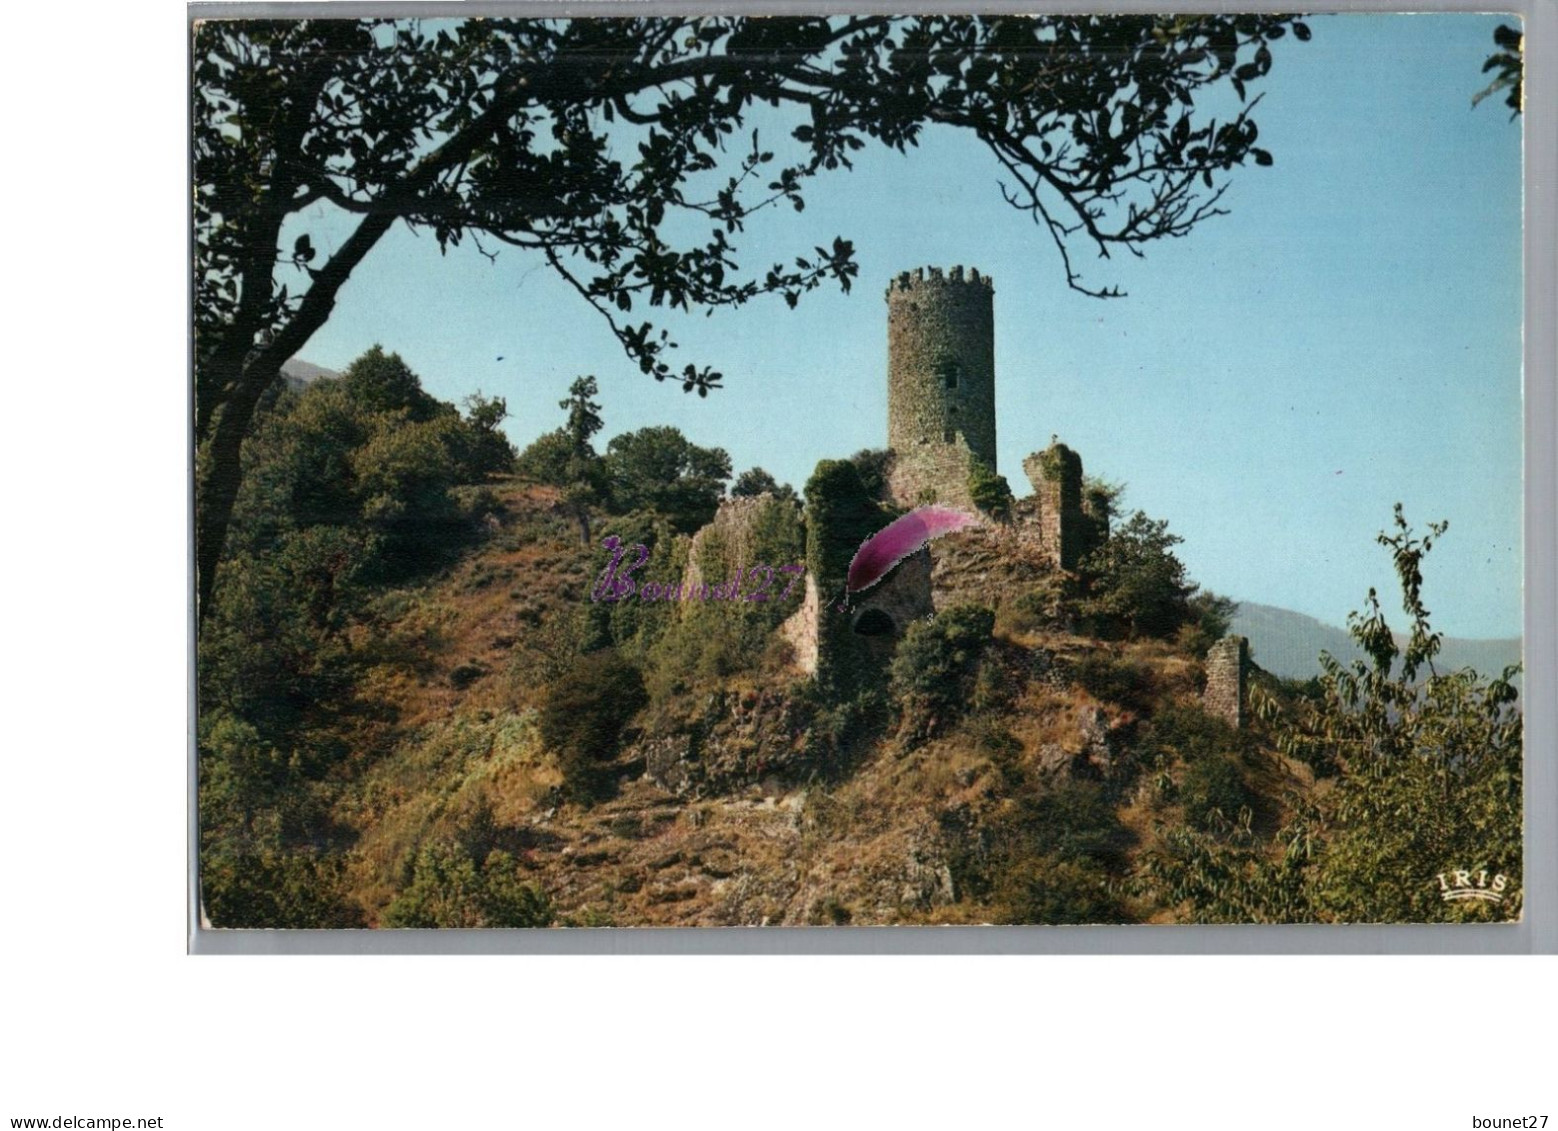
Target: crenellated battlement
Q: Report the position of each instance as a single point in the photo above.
(927, 278)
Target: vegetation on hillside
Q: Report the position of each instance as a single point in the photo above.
(413, 714)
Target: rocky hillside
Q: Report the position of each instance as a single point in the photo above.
(722, 805)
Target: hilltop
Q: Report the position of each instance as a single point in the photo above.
(413, 713)
(719, 809)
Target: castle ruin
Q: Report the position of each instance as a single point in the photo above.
(941, 429)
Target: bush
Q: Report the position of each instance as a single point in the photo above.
(1050, 857)
(1136, 583)
(1210, 618)
(448, 888)
(1050, 891)
(989, 491)
(1114, 681)
(582, 716)
(546, 459)
(1192, 734)
(934, 668)
(1213, 792)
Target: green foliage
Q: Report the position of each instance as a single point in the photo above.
(1210, 617)
(1427, 781)
(1508, 65)
(1189, 733)
(756, 481)
(582, 716)
(841, 513)
(272, 888)
(934, 669)
(349, 485)
(872, 464)
(1102, 497)
(1213, 792)
(658, 469)
(1125, 682)
(584, 418)
(546, 459)
(1058, 462)
(1050, 856)
(1136, 583)
(449, 888)
(1052, 891)
(266, 858)
(490, 452)
(382, 382)
(990, 491)
(698, 641)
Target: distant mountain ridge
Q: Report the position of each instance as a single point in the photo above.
(1289, 644)
(299, 374)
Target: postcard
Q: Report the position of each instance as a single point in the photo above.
(865, 470)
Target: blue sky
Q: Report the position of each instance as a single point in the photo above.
(1349, 336)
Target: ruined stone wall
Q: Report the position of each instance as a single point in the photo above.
(1053, 518)
(720, 551)
(940, 379)
(903, 597)
(877, 618)
(1227, 669)
(802, 629)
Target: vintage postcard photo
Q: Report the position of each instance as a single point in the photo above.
(863, 470)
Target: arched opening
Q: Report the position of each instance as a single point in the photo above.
(874, 622)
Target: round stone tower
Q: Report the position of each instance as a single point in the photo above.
(941, 363)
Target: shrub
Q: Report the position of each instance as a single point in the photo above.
(582, 715)
(1046, 890)
(1136, 583)
(1114, 681)
(448, 888)
(1192, 734)
(934, 668)
(1213, 792)
(546, 459)
(989, 491)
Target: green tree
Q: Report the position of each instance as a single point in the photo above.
(934, 666)
(449, 888)
(755, 481)
(512, 131)
(491, 452)
(1508, 67)
(546, 459)
(1136, 581)
(383, 382)
(1427, 781)
(585, 481)
(582, 716)
(658, 469)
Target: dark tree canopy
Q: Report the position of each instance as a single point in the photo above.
(658, 469)
(592, 143)
(1508, 67)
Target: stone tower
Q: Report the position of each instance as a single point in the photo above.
(940, 382)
